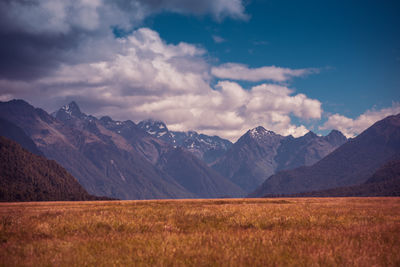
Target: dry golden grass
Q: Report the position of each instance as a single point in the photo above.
(256, 232)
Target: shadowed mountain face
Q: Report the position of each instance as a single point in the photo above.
(351, 164)
(251, 159)
(111, 158)
(205, 147)
(260, 153)
(306, 150)
(389, 171)
(189, 171)
(195, 175)
(384, 182)
(28, 177)
(15, 133)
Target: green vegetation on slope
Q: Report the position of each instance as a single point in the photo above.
(257, 232)
(28, 177)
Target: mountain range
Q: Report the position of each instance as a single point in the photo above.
(125, 160)
(114, 158)
(205, 147)
(353, 163)
(260, 153)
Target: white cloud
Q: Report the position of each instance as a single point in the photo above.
(146, 77)
(277, 98)
(43, 34)
(352, 127)
(236, 71)
(142, 64)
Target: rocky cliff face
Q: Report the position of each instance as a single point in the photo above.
(205, 147)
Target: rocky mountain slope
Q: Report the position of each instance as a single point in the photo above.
(161, 155)
(351, 164)
(189, 171)
(205, 147)
(260, 153)
(251, 159)
(101, 166)
(306, 150)
(111, 158)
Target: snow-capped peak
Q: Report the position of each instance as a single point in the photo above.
(72, 108)
(260, 132)
(68, 111)
(153, 126)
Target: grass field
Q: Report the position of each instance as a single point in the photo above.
(256, 232)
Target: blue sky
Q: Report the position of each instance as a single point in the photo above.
(215, 66)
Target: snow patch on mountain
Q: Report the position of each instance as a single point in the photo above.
(207, 148)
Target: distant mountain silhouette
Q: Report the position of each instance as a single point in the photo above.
(260, 153)
(28, 177)
(205, 147)
(351, 164)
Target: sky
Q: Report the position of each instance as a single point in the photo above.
(219, 67)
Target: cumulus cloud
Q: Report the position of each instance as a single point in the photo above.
(235, 71)
(147, 77)
(352, 127)
(42, 34)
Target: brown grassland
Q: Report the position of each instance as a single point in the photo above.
(232, 232)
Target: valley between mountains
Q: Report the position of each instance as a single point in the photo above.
(145, 160)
